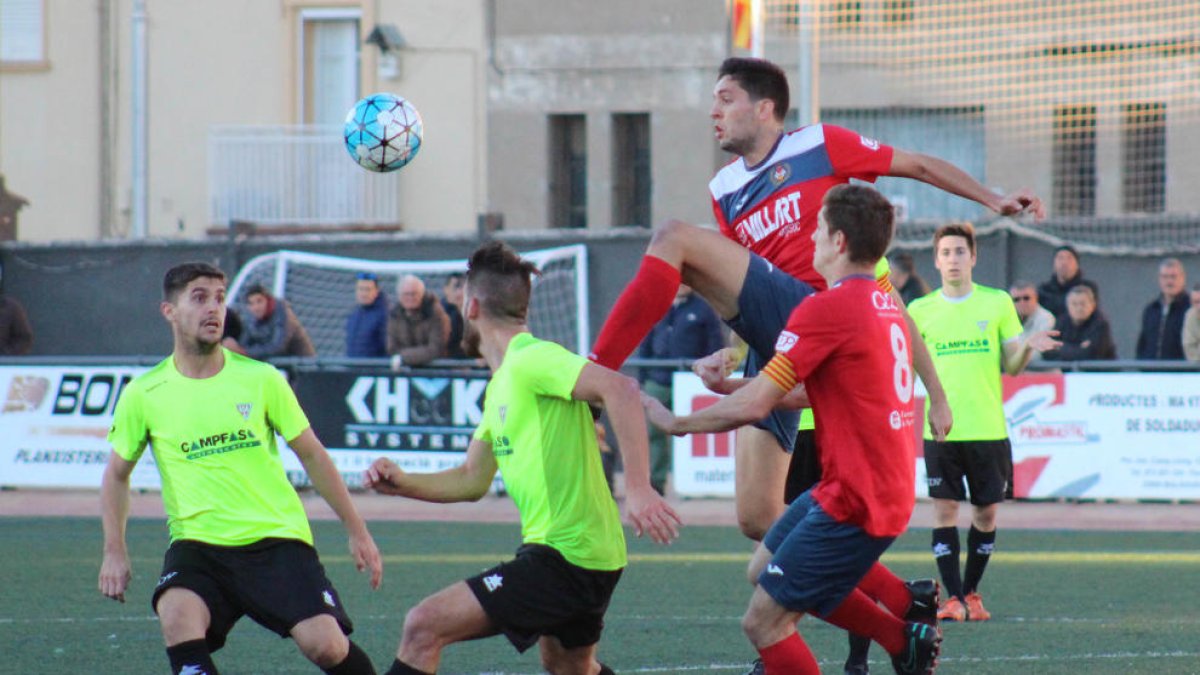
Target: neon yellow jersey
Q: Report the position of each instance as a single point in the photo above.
(545, 446)
(965, 337)
(213, 440)
(883, 272)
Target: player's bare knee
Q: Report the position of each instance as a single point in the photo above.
(182, 615)
(325, 649)
(420, 628)
(670, 236)
(753, 523)
(754, 628)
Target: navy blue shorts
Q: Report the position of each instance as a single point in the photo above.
(767, 299)
(816, 561)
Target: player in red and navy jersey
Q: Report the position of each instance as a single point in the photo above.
(758, 267)
(849, 347)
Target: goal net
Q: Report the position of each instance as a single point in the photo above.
(1091, 103)
(320, 289)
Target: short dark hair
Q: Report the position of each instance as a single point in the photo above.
(904, 262)
(862, 214)
(178, 277)
(761, 79)
(457, 277)
(257, 289)
(964, 230)
(501, 281)
(1069, 249)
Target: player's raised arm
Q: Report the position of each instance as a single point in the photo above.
(325, 478)
(619, 394)
(944, 175)
(115, 571)
(467, 482)
(749, 403)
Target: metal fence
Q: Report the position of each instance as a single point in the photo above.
(298, 175)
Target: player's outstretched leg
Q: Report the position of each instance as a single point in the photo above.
(922, 645)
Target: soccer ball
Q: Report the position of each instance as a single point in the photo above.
(383, 132)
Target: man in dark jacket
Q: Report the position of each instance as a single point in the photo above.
(366, 326)
(452, 301)
(417, 325)
(1162, 320)
(273, 328)
(690, 329)
(1053, 293)
(1083, 331)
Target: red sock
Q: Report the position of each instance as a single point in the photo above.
(883, 586)
(789, 656)
(643, 302)
(861, 616)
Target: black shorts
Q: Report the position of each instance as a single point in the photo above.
(540, 593)
(985, 466)
(276, 582)
(767, 299)
(804, 471)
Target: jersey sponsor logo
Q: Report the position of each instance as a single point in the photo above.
(780, 173)
(900, 419)
(884, 302)
(894, 419)
(244, 409)
(947, 347)
(502, 447)
(774, 215)
(786, 341)
(774, 570)
(492, 582)
(868, 143)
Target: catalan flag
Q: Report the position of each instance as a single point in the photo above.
(741, 16)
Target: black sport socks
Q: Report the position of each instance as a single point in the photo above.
(191, 657)
(401, 668)
(979, 552)
(859, 646)
(945, 552)
(355, 663)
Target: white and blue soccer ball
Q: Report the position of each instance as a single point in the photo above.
(383, 132)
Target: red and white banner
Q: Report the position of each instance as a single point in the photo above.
(1074, 435)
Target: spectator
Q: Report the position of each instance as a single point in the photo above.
(1033, 316)
(16, 337)
(417, 325)
(1191, 327)
(366, 326)
(905, 279)
(231, 339)
(452, 299)
(691, 329)
(1067, 275)
(1162, 320)
(1083, 331)
(273, 329)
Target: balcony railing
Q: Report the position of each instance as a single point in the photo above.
(298, 175)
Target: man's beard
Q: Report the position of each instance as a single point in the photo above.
(470, 341)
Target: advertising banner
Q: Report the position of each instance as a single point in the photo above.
(1074, 435)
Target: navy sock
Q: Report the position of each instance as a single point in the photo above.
(945, 552)
(401, 668)
(355, 663)
(979, 552)
(191, 655)
(859, 646)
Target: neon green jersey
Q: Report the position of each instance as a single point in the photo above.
(545, 445)
(213, 440)
(883, 272)
(965, 337)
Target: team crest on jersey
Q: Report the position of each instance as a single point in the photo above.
(503, 413)
(786, 341)
(982, 325)
(244, 409)
(780, 173)
(869, 143)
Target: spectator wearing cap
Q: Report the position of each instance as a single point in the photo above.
(1191, 327)
(366, 325)
(1161, 338)
(1053, 293)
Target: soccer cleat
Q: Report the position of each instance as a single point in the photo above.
(922, 644)
(857, 669)
(952, 610)
(924, 607)
(975, 608)
(757, 668)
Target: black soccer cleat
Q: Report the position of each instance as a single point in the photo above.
(857, 669)
(757, 668)
(922, 644)
(924, 607)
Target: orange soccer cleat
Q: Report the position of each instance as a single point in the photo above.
(952, 609)
(975, 608)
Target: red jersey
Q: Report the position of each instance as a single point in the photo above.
(850, 347)
(772, 208)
